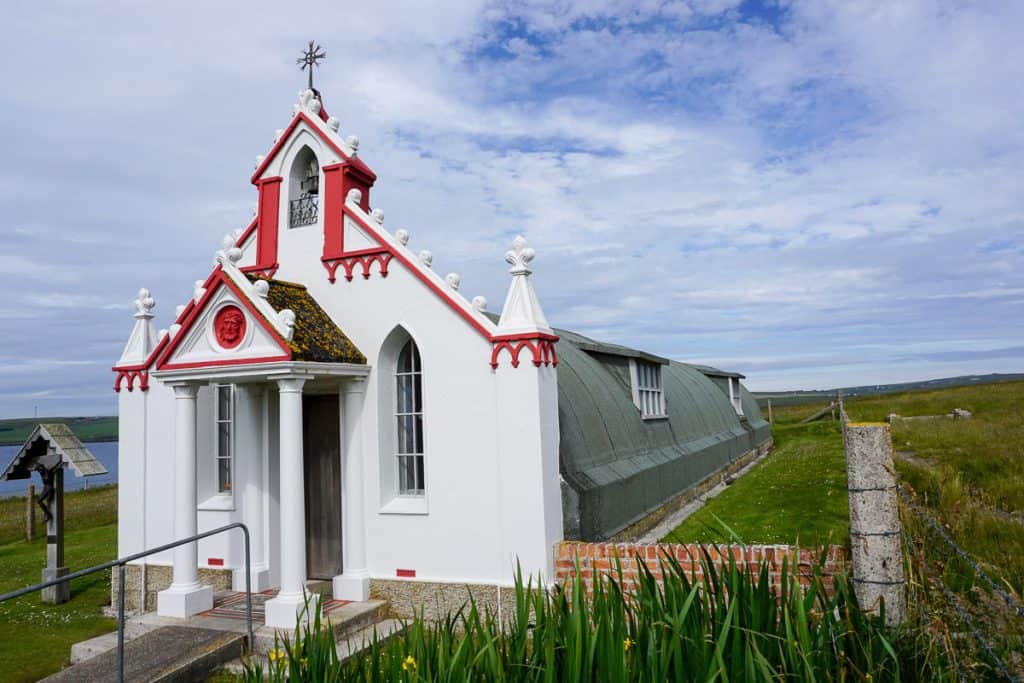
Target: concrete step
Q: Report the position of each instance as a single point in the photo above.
(344, 620)
(168, 653)
(87, 649)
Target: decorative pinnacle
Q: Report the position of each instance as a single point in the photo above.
(519, 256)
(144, 304)
(311, 57)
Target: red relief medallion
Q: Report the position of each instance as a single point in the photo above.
(229, 326)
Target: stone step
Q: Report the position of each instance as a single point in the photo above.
(344, 620)
(87, 649)
(168, 653)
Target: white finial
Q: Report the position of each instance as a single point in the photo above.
(426, 257)
(234, 255)
(354, 196)
(261, 288)
(162, 333)
(175, 328)
(287, 318)
(480, 303)
(306, 98)
(198, 291)
(295, 109)
(178, 310)
(238, 232)
(402, 235)
(144, 304)
(333, 123)
(227, 241)
(353, 142)
(453, 280)
(259, 159)
(315, 105)
(378, 215)
(519, 256)
(522, 312)
(277, 134)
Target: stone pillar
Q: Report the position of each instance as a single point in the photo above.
(281, 612)
(186, 596)
(30, 513)
(354, 582)
(61, 593)
(874, 520)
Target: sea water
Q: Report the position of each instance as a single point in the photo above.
(105, 452)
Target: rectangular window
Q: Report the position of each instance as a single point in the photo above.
(647, 393)
(225, 425)
(735, 396)
(409, 422)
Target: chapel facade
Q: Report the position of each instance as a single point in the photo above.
(373, 427)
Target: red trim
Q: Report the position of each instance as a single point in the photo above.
(267, 220)
(246, 234)
(542, 348)
(139, 372)
(195, 311)
(262, 271)
(215, 561)
(433, 286)
(364, 257)
(301, 116)
(406, 573)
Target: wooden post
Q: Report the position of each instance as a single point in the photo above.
(30, 513)
(875, 533)
(55, 568)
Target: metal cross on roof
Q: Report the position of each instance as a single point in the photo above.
(311, 57)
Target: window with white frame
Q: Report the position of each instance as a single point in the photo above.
(647, 393)
(409, 421)
(225, 425)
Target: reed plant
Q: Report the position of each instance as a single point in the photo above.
(725, 622)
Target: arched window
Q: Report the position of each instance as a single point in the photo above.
(409, 421)
(303, 189)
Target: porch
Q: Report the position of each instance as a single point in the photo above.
(306, 417)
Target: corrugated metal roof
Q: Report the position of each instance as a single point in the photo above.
(622, 466)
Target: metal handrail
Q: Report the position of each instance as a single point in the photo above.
(122, 561)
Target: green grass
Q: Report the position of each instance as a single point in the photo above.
(797, 495)
(15, 431)
(83, 509)
(36, 639)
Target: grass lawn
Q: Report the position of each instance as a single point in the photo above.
(36, 639)
(15, 431)
(797, 495)
(83, 509)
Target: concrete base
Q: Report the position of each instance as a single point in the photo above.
(352, 587)
(61, 593)
(184, 602)
(260, 580)
(285, 611)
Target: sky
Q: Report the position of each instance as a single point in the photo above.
(815, 193)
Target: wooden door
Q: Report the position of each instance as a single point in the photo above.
(321, 439)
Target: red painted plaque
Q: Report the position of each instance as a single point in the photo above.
(229, 326)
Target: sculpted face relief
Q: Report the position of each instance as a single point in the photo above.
(229, 327)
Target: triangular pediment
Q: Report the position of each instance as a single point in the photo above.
(224, 329)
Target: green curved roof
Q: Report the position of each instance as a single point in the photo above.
(621, 466)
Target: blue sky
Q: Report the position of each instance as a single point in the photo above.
(815, 193)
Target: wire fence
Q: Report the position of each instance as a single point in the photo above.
(965, 617)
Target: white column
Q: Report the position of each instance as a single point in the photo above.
(186, 596)
(281, 612)
(354, 582)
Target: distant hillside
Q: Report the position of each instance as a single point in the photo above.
(796, 397)
(15, 431)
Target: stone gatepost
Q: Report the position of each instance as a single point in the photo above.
(875, 534)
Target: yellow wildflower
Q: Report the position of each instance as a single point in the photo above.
(275, 655)
(628, 643)
(409, 664)
(867, 677)
(304, 662)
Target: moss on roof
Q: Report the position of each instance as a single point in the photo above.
(317, 338)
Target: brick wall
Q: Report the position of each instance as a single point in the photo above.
(597, 559)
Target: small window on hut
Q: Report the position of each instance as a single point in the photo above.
(647, 393)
